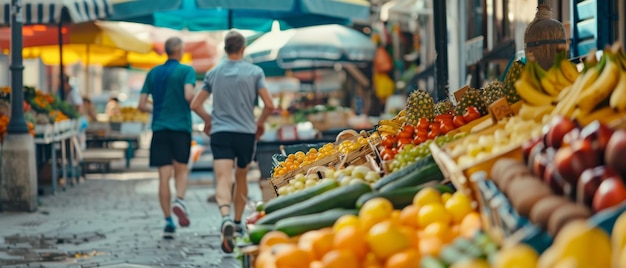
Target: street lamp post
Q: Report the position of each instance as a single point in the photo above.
(18, 173)
(17, 122)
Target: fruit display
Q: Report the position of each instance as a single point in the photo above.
(419, 105)
(472, 98)
(130, 114)
(376, 234)
(345, 176)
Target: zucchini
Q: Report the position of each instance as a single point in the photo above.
(258, 231)
(288, 200)
(402, 197)
(417, 177)
(342, 197)
(297, 225)
(403, 172)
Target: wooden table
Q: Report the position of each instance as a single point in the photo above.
(94, 141)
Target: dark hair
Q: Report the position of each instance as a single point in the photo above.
(173, 45)
(234, 42)
(86, 100)
(115, 99)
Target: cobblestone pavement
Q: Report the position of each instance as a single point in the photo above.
(113, 223)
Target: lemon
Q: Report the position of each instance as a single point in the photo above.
(376, 209)
(459, 205)
(520, 255)
(445, 197)
(345, 221)
(428, 195)
(432, 213)
(386, 239)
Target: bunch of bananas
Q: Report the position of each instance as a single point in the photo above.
(391, 126)
(600, 92)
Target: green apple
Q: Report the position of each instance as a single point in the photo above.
(327, 179)
(311, 177)
(345, 180)
(360, 172)
(310, 183)
(298, 185)
(300, 177)
(356, 180)
(372, 176)
(283, 190)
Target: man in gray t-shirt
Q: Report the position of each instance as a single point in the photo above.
(235, 85)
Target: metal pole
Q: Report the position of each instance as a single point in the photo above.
(17, 122)
(61, 68)
(441, 47)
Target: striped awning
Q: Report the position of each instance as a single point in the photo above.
(55, 11)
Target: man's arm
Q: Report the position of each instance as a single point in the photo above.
(268, 105)
(197, 105)
(144, 106)
(190, 84)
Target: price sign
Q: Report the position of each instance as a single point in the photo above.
(500, 109)
(458, 95)
(288, 133)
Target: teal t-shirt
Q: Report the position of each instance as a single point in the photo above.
(166, 84)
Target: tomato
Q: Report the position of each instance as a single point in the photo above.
(423, 123)
(444, 118)
(435, 127)
(389, 141)
(422, 132)
(408, 128)
(419, 139)
(445, 127)
(471, 114)
(405, 134)
(404, 141)
(394, 151)
(433, 134)
(458, 121)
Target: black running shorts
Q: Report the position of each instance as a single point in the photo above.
(231, 145)
(168, 146)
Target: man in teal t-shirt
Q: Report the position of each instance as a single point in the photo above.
(171, 86)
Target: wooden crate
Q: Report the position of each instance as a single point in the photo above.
(279, 181)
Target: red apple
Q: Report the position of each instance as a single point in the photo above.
(615, 154)
(599, 134)
(611, 192)
(571, 137)
(527, 147)
(572, 161)
(557, 128)
(552, 178)
(539, 164)
(539, 148)
(588, 184)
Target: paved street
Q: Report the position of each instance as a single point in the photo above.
(114, 220)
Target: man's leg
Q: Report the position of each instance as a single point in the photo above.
(161, 157)
(181, 175)
(241, 191)
(223, 169)
(165, 196)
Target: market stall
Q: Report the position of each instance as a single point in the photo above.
(55, 125)
(525, 172)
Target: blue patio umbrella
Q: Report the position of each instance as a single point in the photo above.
(313, 47)
(206, 15)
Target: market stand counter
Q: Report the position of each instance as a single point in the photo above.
(51, 140)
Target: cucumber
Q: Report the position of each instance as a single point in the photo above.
(403, 172)
(342, 197)
(402, 197)
(258, 231)
(417, 177)
(297, 225)
(288, 200)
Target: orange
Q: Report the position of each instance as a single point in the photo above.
(433, 213)
(372, 261)
(386, 239)
(428, 195)
(458, 206)
(306, 240)
(322, 244)
(351, 239)
(395, 216)
(272, 238)
(455, 231)
(408, 216)
(438, 229)
(411, 234)
(316, 264)
(292, 256)
(340, 259)
(470, 224)
(430, 246)
(376, 209)
(409, 258)
(346, 220)
(264, 260)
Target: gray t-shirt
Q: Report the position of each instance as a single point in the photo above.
(234, 85)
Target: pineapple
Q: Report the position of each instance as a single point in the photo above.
(492, 92)
(472, 97)
(509, 81)
(419, 105)
(443, 107)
